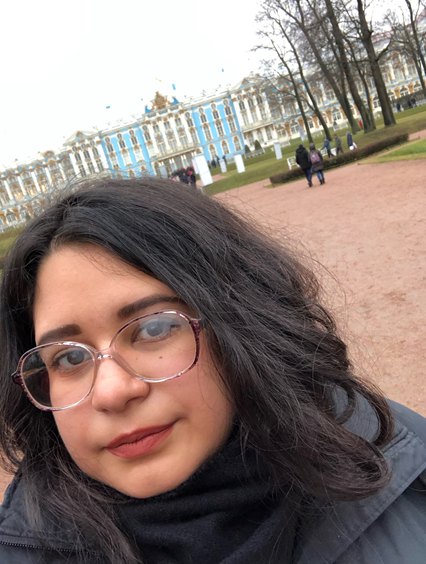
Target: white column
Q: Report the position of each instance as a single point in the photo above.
(34, 179)
(48, 175)
(21, 184)
(102, 155)
(9, 193)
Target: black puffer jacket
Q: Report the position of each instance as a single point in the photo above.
(302, 158)
(388, 528)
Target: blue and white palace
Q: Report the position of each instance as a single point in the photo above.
(169, 133)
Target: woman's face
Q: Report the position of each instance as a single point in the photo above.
(82, 292)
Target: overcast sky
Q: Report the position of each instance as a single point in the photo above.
(64, 62)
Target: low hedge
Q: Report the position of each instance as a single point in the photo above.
(348, 157)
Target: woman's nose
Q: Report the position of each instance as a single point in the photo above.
(115, 387)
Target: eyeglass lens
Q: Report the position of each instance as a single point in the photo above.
(156, 347)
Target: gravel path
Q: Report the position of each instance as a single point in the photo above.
(367, 226)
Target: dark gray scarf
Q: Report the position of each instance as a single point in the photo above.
(226, 513)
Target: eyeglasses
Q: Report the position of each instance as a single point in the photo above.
(155, 347)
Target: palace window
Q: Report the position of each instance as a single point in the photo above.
(86, 155)
(231, 123)
(213, 152)
(215, 114)
(412, 71)
(399, 74)
(276, 112)
(172, 143)
(99, 165)
(4, 198)
(203, 118)
(30, 187)
(253, 114)
(126, 157)
(189, 120)
(263, 115)
(114, 159)
(237, 144)
(138, 152)
(228, 111)
(167, 125)
(404, 91)
(417, 87)
(82, 170)
(225, 147)
(214, 107)
(17, 192)
(183, 139)
(78, 158)
(143, 170)
(38, 171)
(268, 133)
(250, 103)
(178, 122)
(260, 136)
(330, 95)
(219, 128)
(289, 108)
(52, 165)
(146, 133)
(95, 152)
(194, 137)
(391, 95)
(42, 182)
(156, 128)
(69, 172)
(207, 132)
(133, 138)
(91, 167)
(25, 174)
(161, 145)
(242, 106)
(336, 114)
(245, 119)
(121, 141)
(376, 102)
(132, 174)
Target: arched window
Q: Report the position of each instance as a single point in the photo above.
(161, 145)
(25, 174)
(268, 132)
(99, 165)
(260, 136)
(95, 151)
(167, 125)
(42, 182)
(213, 152)
(336, 114)
(207, 132)
(143, 170)
(178, 121)
(225, 147)
(391, 95)
(38, 171)
(294, 127)
(146, 134)
(86, 155)
(194, 136)
(250, 102)
(126, 157)
(121, 141)
(404, 91)
(417, 87)
(156, 128)
(133, 137)
(215, 114)
(4, 198)
(219, 128)
(399, 73)
(231, 123)
(289, 108)
(16, 191)
(237, 144)
(52, 165)
(189, 120)
(412, 71)
(183, 139)
(30, 187)
(203, 118)
(228, 110)
(376, 102)
(242, 106)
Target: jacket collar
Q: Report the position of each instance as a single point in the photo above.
(345, 522)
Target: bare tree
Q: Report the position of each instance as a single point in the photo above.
(366, 34)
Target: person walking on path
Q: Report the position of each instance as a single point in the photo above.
(338, 141)
(303, 160)
(317, 163)
(327, 147)
(349, 139)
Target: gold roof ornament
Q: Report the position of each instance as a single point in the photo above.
(159, 101)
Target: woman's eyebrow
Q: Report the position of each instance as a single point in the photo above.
(142, 304)
(60, 333)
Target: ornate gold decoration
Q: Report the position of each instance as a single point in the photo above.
(159, 101)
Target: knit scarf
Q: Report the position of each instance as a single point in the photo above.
(226, 513)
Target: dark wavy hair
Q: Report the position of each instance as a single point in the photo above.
(276, 347)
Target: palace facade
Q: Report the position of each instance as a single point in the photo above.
(169, 133)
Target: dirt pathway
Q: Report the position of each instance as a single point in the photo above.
(367, 225)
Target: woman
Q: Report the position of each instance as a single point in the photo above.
(317, 162)
(180, 395)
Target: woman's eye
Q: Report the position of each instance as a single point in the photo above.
(68, 360)
(155, 330)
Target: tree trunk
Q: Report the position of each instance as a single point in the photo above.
(417, 41)
(361, 74)
(299, 101)
(344, 102)
(367, 119)
(366, 33)
(317, 111)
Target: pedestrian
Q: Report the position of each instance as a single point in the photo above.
(179, 393)
(413, 102)
(409, 105)
(303, 160)
(209, 164)
(361, 124)
(349, 139)
(317, 163)
(338, 142)
(214, 163)
(224, 159)
(398, 107)
(191, 177)
(327, 147)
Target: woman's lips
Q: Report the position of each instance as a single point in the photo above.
(139, 442)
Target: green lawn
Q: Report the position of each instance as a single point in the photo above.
(7, 239)
(262, 167)
(410, 152)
